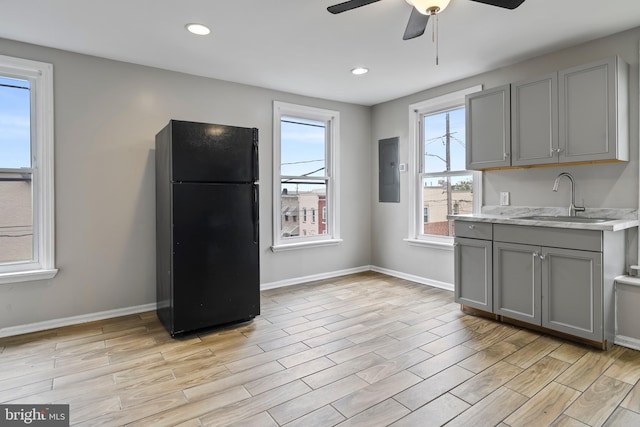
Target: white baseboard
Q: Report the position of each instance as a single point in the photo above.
(411, 277)
(73, 320)
(313, 278)
(629, 342)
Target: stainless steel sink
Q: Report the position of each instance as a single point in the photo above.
(561, 218)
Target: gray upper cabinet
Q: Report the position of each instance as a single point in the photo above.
(488, 128)
(534, 121)
(576, 115)
(593, 108)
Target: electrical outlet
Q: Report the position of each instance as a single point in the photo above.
(504, 198)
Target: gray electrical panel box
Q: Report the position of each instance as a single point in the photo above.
(388, 172)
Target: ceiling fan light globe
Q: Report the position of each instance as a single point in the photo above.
(429, 7)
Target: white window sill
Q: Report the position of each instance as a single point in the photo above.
(27, 276)
(304, 245)
(444, 245)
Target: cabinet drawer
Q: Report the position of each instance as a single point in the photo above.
(474, 230)
(569, 238)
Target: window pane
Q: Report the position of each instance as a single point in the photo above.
(302, 147)
(301, 200)
(444, 141)
(16, 218)
(442, 196)
(15, 124)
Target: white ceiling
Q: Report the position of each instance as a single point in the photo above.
(297, 46)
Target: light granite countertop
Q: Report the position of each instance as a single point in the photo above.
(616, 219)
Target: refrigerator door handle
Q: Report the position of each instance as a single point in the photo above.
(255, 156)
(256, 214)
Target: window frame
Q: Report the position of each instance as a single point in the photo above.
(40, 76)
(416, 112)
(332, 146)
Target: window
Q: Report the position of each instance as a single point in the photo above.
(441, 185)
(26, 170)
(305, 175)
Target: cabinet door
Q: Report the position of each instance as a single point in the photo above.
(572, 292)
(588, 112)
(516, 292)
(473, 273)
(488, 128)
(534, 121)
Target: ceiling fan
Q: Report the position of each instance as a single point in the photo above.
(422, 10)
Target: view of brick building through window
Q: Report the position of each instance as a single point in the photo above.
(447, 188)
(293, 219)
(435, 207)
(16, 228)
(304, 177)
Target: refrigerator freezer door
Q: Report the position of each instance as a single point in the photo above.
(216, 268)
(213, 153)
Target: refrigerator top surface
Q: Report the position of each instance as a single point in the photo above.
(203, 152)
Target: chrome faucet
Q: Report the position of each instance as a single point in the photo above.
(572, 207)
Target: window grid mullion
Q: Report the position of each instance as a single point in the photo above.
(445, 173)
(304, 177)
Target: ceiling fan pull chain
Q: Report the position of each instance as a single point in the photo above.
(433, 33)
(436, 38)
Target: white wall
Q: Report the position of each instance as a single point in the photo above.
(106, 116)
(605, 185)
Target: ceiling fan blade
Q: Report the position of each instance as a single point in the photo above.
(348, 5)
(416, 25)
(507, 4)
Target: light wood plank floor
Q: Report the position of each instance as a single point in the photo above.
(361, 350)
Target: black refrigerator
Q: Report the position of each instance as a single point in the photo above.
(208, 261)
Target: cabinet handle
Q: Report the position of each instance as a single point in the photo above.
(539, 255)
(471, 227)
(505, 154)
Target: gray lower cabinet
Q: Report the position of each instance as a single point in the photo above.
(473, 264)
(560, 289)
(473, 273)
(559, 278)
(517, 282)
(572, 292)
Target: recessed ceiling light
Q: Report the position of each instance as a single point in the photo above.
(359, 71)
(198, 29)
